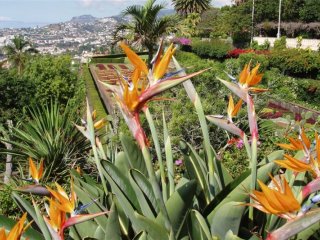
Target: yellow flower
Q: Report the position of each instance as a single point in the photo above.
(17, 230)
(35, 173)
(63, 201)
(233, 110)
(279, 201)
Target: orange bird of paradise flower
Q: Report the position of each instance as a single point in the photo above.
(63, 201)
(35, 173)
(278, 200)
(132, 94)
(57, 220)
(310, 164)
(17, 230)
(247, 79)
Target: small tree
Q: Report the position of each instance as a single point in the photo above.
(146, 27)
(17, 51)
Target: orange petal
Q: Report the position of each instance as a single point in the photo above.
(162, 66)
(3, 234)
(305, 139)
(33, 169)
(230, 107)
(134, 58)
(244, 74)
(237, 108)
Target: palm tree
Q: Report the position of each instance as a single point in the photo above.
(17, 51)
(184, 7)
(146, 27)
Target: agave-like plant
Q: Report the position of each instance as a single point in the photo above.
(49, 135)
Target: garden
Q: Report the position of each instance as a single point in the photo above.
(201, 138)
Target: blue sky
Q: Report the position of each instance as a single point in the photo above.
(50, 11)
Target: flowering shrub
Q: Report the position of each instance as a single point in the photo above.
(235, 53)
(182, 41)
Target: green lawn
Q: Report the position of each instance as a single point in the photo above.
(93, 94)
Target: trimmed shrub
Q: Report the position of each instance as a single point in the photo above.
(255, 59)
(296, 62)
(214, 48)
(280, 44)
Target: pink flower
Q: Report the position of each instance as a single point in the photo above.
(178, 162)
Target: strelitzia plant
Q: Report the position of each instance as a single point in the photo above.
(133, 94)
(247, 80)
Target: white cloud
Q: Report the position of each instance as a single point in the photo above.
(3, 18)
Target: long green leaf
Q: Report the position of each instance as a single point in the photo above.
(113, 228)
(196, 171)
(238, 194)
(227, 217)
(169, 158)
(122, 182)
(202, 222)
(158, 152)
(134, 154)
(152, 228)
(146, 208)
(178, 205)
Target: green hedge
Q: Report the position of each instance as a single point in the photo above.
(214, 48)
(296, 62)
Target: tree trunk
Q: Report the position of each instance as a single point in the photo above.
(8, 171)
(150, 55)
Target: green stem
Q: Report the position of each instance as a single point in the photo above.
(99, 166)
(156, 188)
(158, 151)
(253, 171)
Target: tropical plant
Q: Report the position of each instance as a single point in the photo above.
(17, 51)
(50, 135)
(146, 26)
(185, 7)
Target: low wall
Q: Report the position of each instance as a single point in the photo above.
(292, 42)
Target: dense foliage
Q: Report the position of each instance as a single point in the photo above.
(17, 93)
(214, 48)
(54, 78)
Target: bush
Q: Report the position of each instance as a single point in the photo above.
(16, 93)
(235, 53)
(255, 59)
(296, 62)
(214, 48)
(54, 79)
(280, 44)
(241, 39)
(302, 91)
